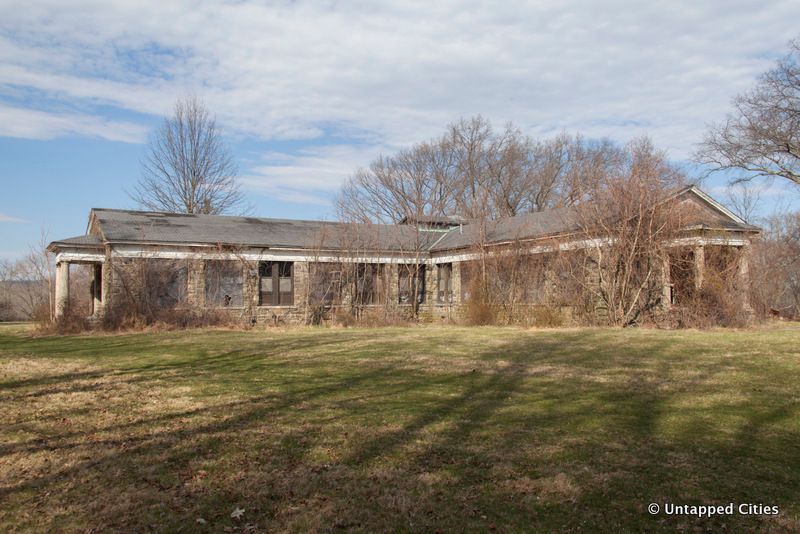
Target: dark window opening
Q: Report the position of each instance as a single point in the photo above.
(469, 272)
(369, 283)
(411, 283)
(444, 290)
(224, 283)
(682, 276)
(166, 282)
(276, 283)
(325, 284)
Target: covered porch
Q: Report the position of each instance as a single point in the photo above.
(80, 251)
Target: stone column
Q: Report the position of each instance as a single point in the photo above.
(391, 279)
(250, 294)
(196, 282)
(455, 283)
(301, 285)
(108, 293)
(743, 275)
(666, 285)
(62, 288)
(431, 286)
(699, 265)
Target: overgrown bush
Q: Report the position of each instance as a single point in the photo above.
(6, 310)
(72, 321)
(547, 316)
(478, 309)
(121, 318)
(721, 299)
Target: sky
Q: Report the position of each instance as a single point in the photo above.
(307, 92)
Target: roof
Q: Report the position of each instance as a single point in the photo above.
(122, 226)
(528, 226)
(142, 227)
(434, 220)
(81, 241)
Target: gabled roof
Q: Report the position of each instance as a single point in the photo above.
(528, 226)
(716, 216)
(142, 227)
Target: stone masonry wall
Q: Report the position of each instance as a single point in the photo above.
(121, 282)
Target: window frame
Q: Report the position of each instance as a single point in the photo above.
(217, 265)
(416, 278)
(328, 276)
(444, 271)
(275, 270)
(376, 279)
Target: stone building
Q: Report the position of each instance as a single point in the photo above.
(291, 271)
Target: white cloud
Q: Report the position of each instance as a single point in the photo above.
(309, 176)
(35, 124)
(395, 73)
(9, 219)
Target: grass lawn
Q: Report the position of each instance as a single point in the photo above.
(398, 429)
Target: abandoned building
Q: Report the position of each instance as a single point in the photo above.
(273, 270)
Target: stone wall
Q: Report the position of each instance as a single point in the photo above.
(120, 282)
(196, 284)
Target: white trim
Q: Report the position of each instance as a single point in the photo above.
(537, 249)
(131, 251)
(80, 257)
(217, 246)
(710, 240)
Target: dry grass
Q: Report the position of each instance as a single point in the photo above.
(409, 429)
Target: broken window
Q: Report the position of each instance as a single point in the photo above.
(276, 283)
(411, 284)
(444, 290)
(369, 283)
(166, 282)
(224, 283)
(325, 283)
(469, 277)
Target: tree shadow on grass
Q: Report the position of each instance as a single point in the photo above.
(558, 431)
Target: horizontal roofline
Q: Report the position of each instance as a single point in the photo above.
(210, 215)
(529, 227)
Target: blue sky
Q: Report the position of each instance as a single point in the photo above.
(308, 92)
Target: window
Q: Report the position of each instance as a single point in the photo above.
(325, 283)
(444, 291)
(411, 282)
(224, 283)
(369, 283)
(276, 283)
(469, 272)
(167, 282)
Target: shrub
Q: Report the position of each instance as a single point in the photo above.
(548, 316)
(70, 322)
(478, 310)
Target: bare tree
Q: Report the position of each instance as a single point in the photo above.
(775, 270)
(416, 181)
(6, 282)
(188, 168)
(743, 199)
(627, 228)
(762, 134)
(29, 282)
(477, 173)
